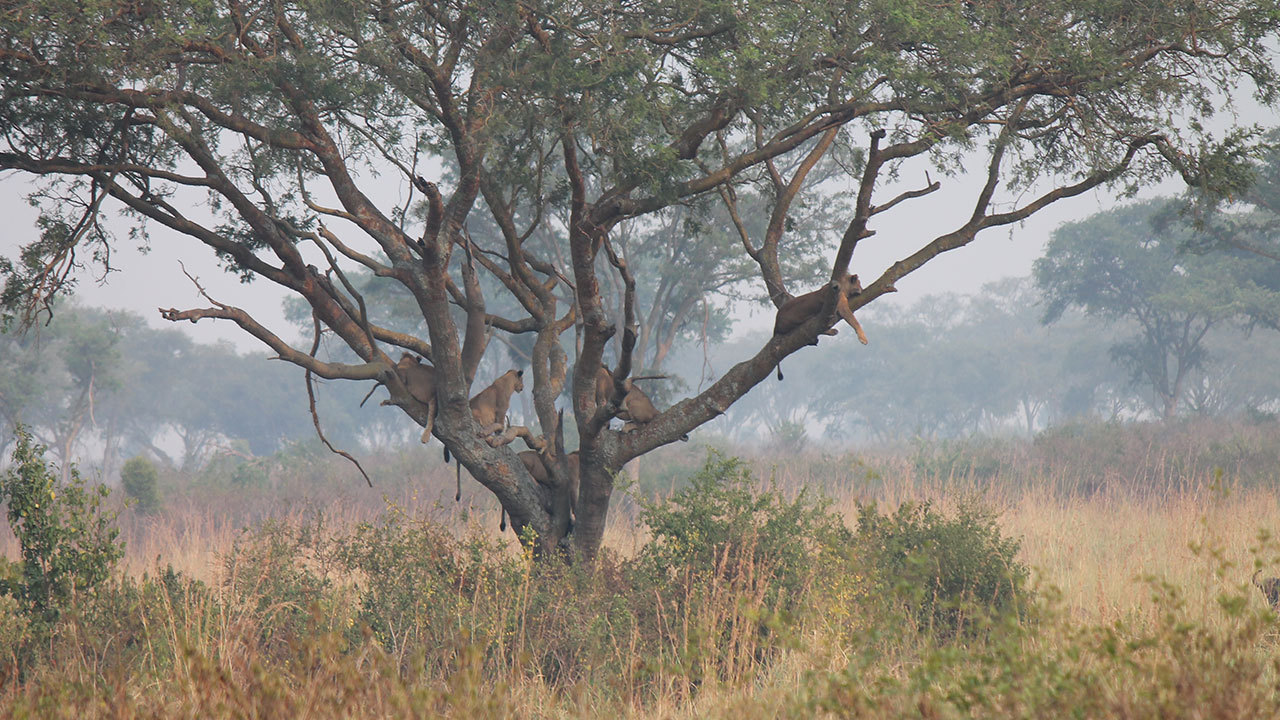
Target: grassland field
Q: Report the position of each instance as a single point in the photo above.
(260, 598)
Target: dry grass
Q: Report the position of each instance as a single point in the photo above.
(1095, 548)
(1095, 544)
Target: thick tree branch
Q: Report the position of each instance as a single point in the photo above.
(284, 351)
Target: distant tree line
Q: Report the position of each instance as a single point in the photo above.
(1145, 310)
(1131, 313)
(99, 386)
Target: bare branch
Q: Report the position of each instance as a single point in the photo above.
(315, 416)
(857, 229)
(965, 234)
(378, 268)
(930, 186)
(730, 199)
(331, 371)
(363, 317)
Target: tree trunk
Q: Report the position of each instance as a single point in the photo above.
(593, 507)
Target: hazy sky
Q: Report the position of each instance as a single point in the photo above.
(145, 282)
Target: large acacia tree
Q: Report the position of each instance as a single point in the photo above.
(562, 123)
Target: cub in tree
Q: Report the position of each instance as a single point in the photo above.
(420, 380)
(636, 409)
(489, 408)
(796, 311)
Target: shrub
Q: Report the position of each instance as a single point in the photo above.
(278, 571)
(15, 634)
(950, 575)
(721, 523)
(1192, 661)
(133, 627)
(68, 541)
(139, 479)
(236, 468)
(731, 570)
(416, 582)
(978, 458)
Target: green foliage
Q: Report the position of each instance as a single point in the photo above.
(622, 114)
(400, 617)
(1154, 458)
(668, 106)
(729, 572)
(1243, 220)
(119, 623)
(789, 437)
(55, 375)
(16, 632)
(139, 478)
(68, 540)
(278, 567)
(951, 575)
(1120, 265)
(416, 581)
(721, 523)
(980, 459)
(238, 469)
(1190, 661)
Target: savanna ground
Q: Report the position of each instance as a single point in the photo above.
(1097, 571)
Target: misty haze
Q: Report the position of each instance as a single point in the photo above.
(544, 359)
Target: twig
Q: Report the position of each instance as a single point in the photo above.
(315, 417)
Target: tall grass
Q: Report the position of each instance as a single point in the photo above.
(309, 595)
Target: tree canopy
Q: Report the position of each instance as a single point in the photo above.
(1124, 264)
(260, 129)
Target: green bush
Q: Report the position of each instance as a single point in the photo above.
(281, 572)
(730, 574)
(721, 523)
(980, 459)
(237, 469)
(416, 582)
(68, 540)
(1215, 660)
(139, 479)
(15, 635)
(134, 626)
(949, 574)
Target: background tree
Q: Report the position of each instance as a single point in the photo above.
(1039, 373)
(57, 379)
(948, 366)
(1240, 377)
(1117, 264)
(102, 380)
(955, 366)
(277, 112)
(1245, 221)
